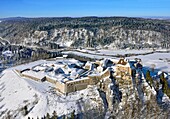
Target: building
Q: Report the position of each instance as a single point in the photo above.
(123, 69)
(69, 76)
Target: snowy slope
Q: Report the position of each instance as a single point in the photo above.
(41, 98)
(15, 93)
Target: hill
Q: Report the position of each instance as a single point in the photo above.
(101, 32)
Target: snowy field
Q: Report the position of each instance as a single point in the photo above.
(160, 60)
(110, 53)
(84, 54)
(40, 97)
(123, 52)
(116, 52)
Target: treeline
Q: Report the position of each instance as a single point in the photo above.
(22, 54)
(89, 22)
(55, 116)
(16, 30)
(155, 83)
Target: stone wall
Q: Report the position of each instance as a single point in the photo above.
(124, 72)
(77, 85)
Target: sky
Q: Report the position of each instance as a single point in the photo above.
(79, 8)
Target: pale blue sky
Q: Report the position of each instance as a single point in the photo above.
(78, 8)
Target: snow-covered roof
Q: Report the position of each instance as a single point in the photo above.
(39, 68)
(59, 70)
(38, 75)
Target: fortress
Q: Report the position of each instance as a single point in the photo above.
(71, 75)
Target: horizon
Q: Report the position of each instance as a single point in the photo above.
(144, 17)
(76, 8)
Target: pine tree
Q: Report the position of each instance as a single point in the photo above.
(47, 116)
(25, 110)
(8, 115)
(54, 115)
(147, 76)
(149, 79)
(164, 83)
(73, 115)
(44, 117)
(64, 117)
(157, 86)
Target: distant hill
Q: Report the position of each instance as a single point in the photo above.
(159, 17)
(12, 18)
(101, 32)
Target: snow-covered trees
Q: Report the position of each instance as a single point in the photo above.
(54, 116)
(149, 79)
(164, 83)
(73, 115)
(88, 32)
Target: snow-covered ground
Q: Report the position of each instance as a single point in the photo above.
(110, 53)
(93, 56)
(123, 52)
(160, 60)
(115, 52)
(68, 43)
(40, 97)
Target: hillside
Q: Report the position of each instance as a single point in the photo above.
(100, 32)
(18, 94)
